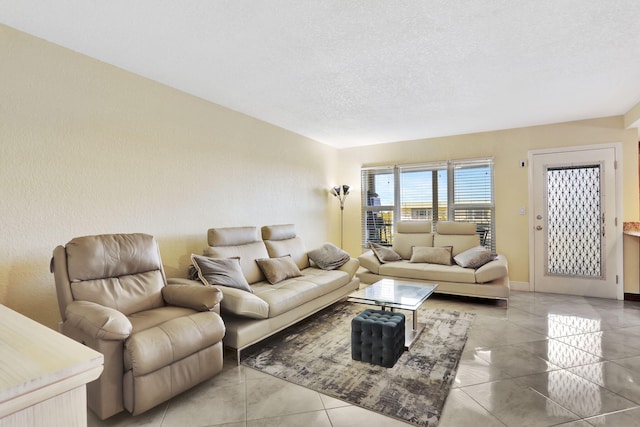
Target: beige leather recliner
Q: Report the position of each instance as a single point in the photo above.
(158, 340)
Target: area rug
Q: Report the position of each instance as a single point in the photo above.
(316, 354)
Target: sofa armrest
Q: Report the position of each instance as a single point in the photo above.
(98, 321)
(243, 303)
(200, 298)
(370, 261)
(350, 267)
(234, 301)
(493, 270)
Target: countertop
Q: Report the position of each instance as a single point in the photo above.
(631, 228)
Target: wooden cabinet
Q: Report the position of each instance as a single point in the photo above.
(43, 374)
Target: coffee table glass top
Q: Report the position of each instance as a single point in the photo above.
(395, 294)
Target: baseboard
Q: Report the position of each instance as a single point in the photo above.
(524, 287)
(519, 286)
(631, 297)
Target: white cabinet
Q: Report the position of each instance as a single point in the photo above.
(43, 374)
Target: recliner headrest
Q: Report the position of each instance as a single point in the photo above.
(111, 255)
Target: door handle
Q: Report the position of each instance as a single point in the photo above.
(538, 227)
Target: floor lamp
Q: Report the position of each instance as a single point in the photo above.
(341, 193)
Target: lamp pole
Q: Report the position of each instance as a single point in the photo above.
(341, 191)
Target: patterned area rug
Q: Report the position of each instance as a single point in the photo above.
(316, 354)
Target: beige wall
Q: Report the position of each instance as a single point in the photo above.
(632, 117)
(507, 147)
(86, 148)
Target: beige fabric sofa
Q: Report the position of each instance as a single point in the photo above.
(252, 317)
(489, 281)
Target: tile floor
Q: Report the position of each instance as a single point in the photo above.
(546, 360)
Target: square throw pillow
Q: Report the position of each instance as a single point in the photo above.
(278, 269)
(220, 271)
(432, 255)
(329, 256)
(474, 257)
(384, 254)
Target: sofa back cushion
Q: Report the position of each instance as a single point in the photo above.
(120, 271)
(281, 240)
(410, 234)
(460, 235)
(241, 242)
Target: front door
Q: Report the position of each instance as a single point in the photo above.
(574, 222)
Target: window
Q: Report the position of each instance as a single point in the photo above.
(423, 188)
(457, 190)
(378, 199)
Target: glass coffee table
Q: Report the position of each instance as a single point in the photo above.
(397, 294)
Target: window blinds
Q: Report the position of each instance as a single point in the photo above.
(457, 190)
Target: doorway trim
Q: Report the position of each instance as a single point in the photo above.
(617, 146)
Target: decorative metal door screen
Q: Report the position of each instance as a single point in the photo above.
(575, 222)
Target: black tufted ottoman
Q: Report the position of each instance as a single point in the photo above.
(377, 337)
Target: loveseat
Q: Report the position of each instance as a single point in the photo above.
(256, 309)
(451, 257)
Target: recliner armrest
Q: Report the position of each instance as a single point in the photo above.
(200, 298)
(98, 321)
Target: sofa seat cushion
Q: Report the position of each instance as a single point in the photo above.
(291, 293)
(173, 340)
(150, 318)
(429, 272)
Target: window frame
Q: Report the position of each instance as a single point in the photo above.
(480, 209)
(374, 213)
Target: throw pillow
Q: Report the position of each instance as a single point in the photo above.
(432, 255)
(384, 254)
(192, 273)
(475, 257)
(278, 269)
(329, 256)
(220, 271)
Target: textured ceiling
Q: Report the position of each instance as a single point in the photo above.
(358, 72)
